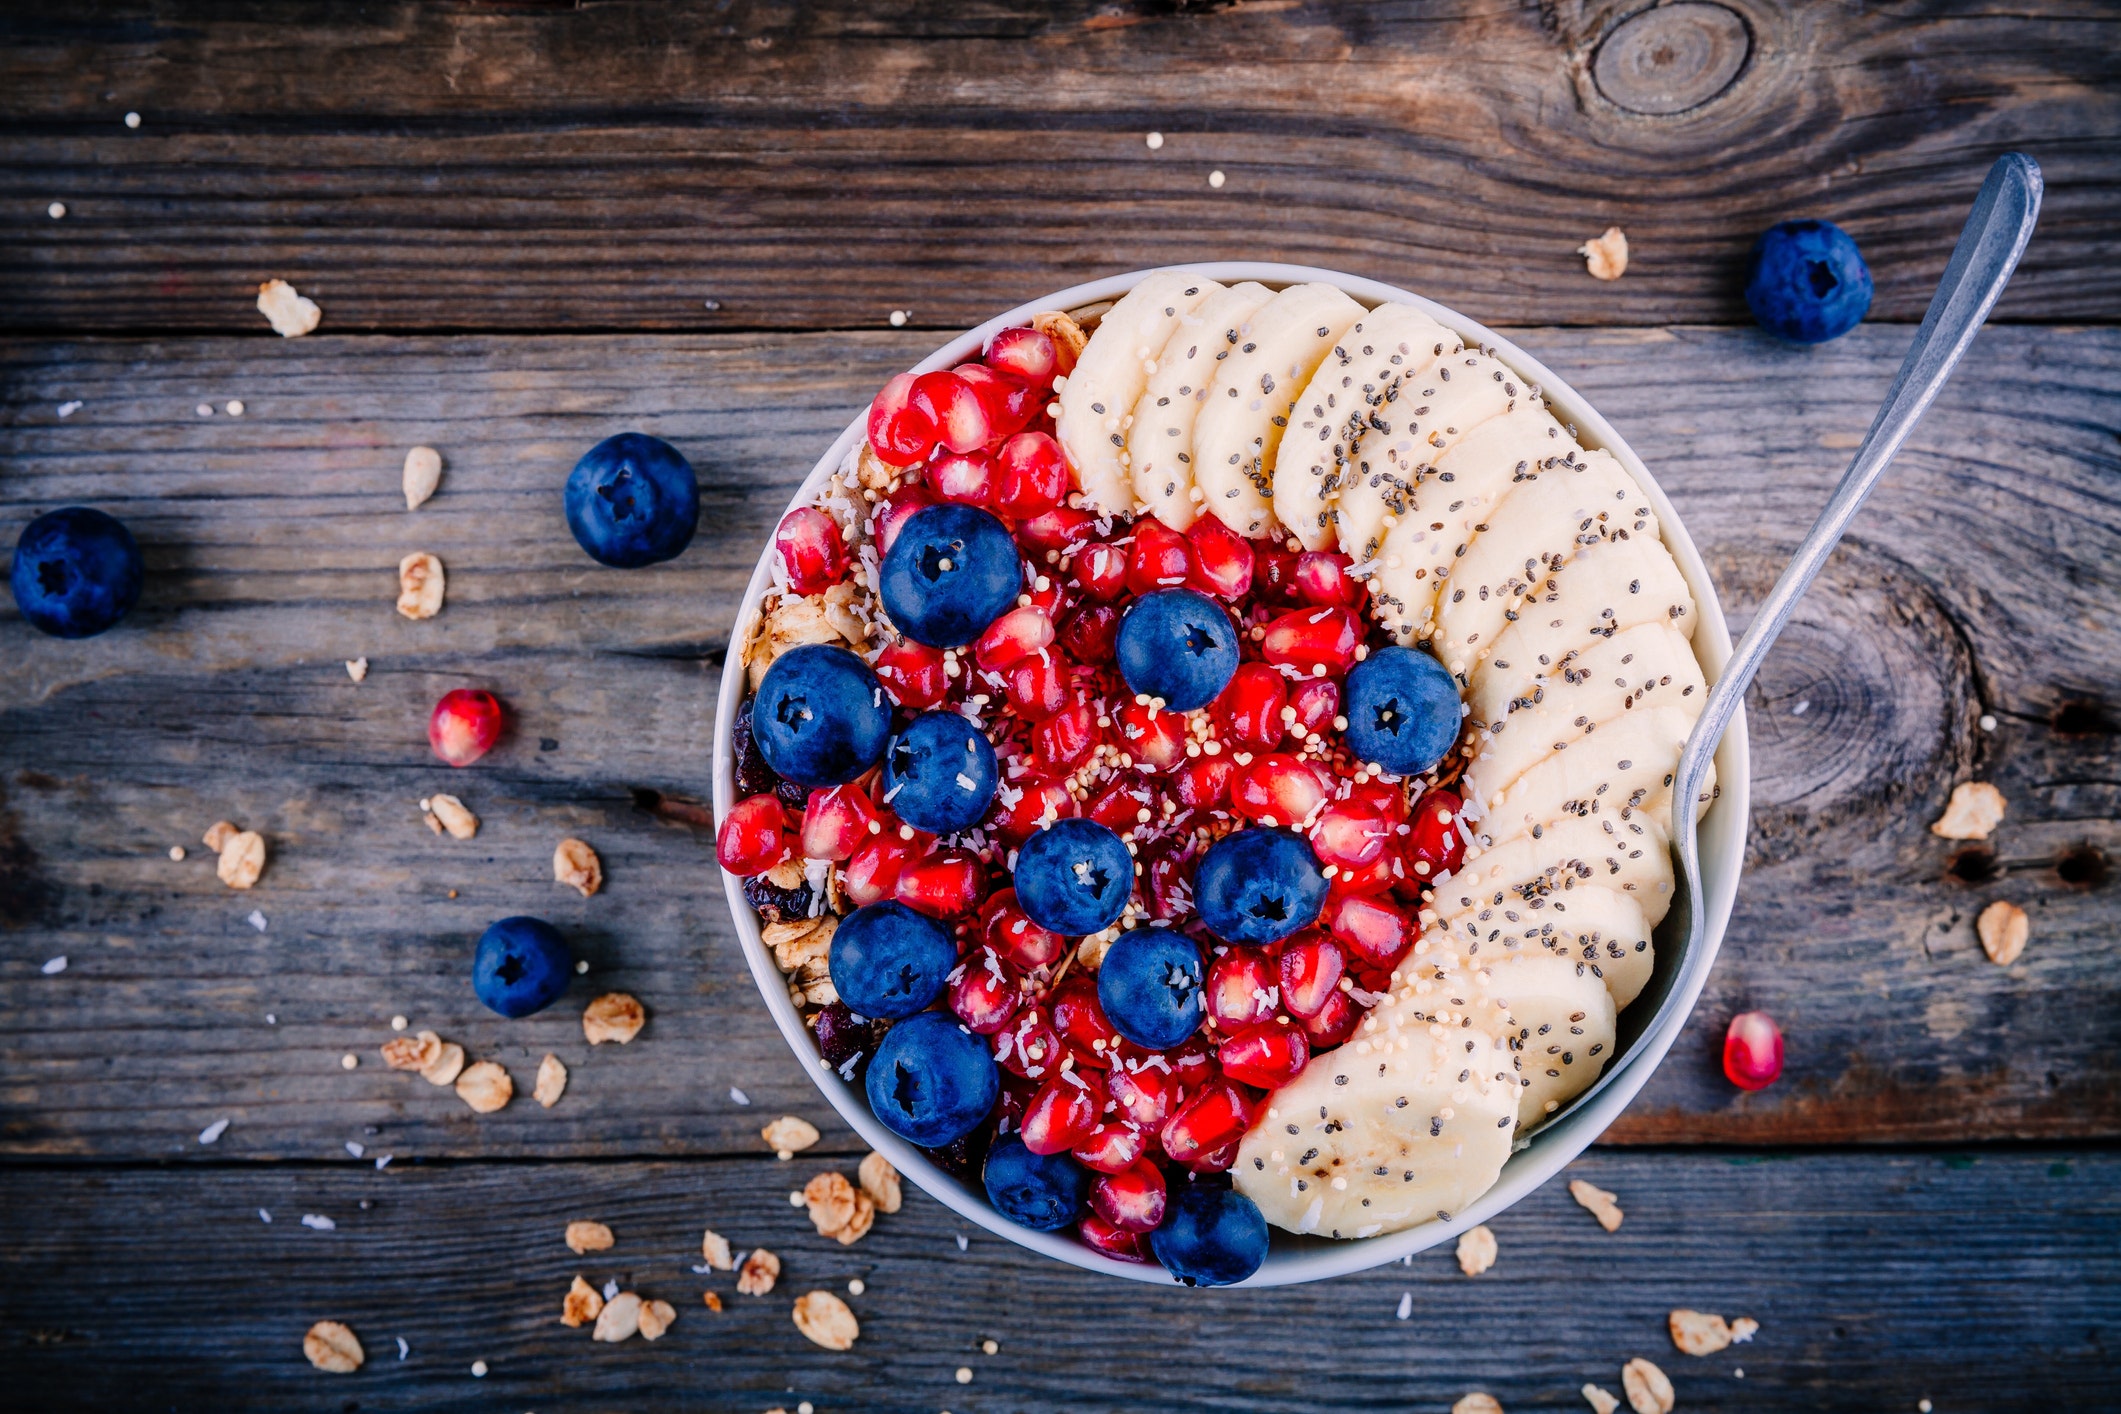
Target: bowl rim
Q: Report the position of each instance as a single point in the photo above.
(1291, 1259)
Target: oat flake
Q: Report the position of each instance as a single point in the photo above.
(881, 1182)
(583, 1236)
(242, 859)
(2003, 929)
(1476, 1250)
(788, 1135)
(620, 1319)
(485, 1087)
(576, 865)
(420, 585)
(1607, 256)
(715, 1248)
(552, 1081)
(1598, 1202)
(760, 1271)
(1600, 1400)
(292, 315)
(1975, 809)
(1478, 1402)
(1698, 1332)
(1649, 1392)
(612, 1017)
(333, 1348)
(423, 472)
(826, 1320)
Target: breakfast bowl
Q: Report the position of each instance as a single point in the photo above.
(1640, 995)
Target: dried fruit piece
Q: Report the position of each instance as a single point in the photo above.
(713, 1302)
(446, 1067)
(1600, 1400)
(420, 585)
(423, 472)
(485, 1087)
(582, 1304)
(1597, 1202)
(576, 865)
(291, 314)
(830, 1199)
(333, 1348)
(2003, 928)
(588, 1237)
(788, 1135)
(1476, 1250)
(1607, 256)
(620, 1319)
(412, 1052)
(1649, 1392)
(612, 1017)
(552, 1081)
(1478, 1402)
(1976, 808)
(759, 1272)
(715, 1248)
(825, 1320)
(880, 1181)
(449, 812)
(656, 1317)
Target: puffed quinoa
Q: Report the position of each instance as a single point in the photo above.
(788, 1136)
(612, 1017)
(2003, 929)
(1476, 1250)
(1607, 256)
(1597, 1202)
(758, 1274)
(582, 1304)
(880, 1181)
(656, 1317)
(1601, 1400)
(412, 1052)
(242, 859)
(217, 834)
(830, 1199)
(420, 585)
(715, 1249)
(1975, 809)
(423, 472)
(485, 1087)
(450, 814)
(290, 314)
(446, 1067)
(333, 1348)
(1698, 1332)
(620, 1319)
(826, 1320)
(1649, 1392)
(583, 1236)
(552, 1081)
(576, 865)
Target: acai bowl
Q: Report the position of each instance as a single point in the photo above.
(1296, 572)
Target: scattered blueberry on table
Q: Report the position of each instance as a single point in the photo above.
(632, 500)
(1807, 282)
(77, 571)
(820, 718)
(521, 967)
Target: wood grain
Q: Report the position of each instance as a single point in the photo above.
(752, 165)
(1842, 1260)
(1980, 580)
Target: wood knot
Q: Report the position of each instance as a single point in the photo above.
(1672, 58)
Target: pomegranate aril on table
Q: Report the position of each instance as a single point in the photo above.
(1752, 1051)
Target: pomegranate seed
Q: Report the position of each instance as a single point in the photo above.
(1102, 571)
(1278, 789)
(873, 870)
(464, 725)
(965, 478)
(1029, 1048)
(954, 409)
(1145, 1091)
(900, 433)
(1311, 968)
(1308, 640)
(1011, 403)
(1377, 877)
(1222, 559)
(1217, 1160)
(1386, 799)
(1091, 633)
(913, 674)
(983, 993)
(1167, 880)
(1217, 1115)
(1193, 1063)
(1028, 807)
(1112, 1148)
(1061, 1115)
(1038, 686)
(1752, 1051)
(1434, 845)
(1006, 928)
(894, 513)
(753, 837)
(1013, 637)
(1160, 558)
(1058, 530)
(1241, 989)
(1109, 1238)
(1274, 574)
(1335, 1022)
(1131, 1197)
(1377, 933)
(811, 550)
(1249, 709)
(1154, 737)
(942, 885)
(1027, 354)
(1317, 703)
(1120, 805)
(1080, 1019)
(1268, 1055)
(1064, 740)
(1030, 476)
(1204, 782)
(1350, 834)
(837, 821)
(1321, 578)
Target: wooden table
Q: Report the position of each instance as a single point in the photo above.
(531, 225)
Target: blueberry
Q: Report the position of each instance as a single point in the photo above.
(77, 572)
(1044, 1192)
(819, 718)
(1074, 877)
(952, 571)
(632, 500)
(1807, 282)
(939, 773)
(1258, 886)
(1149, 986)
(889, 961)
(1177, 645)
(1402, 709)
(932, 1080)
(1211, 1235)
(521, 967)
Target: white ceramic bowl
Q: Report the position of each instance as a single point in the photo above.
(1642, 1045)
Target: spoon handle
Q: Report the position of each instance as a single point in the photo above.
(1989, 246)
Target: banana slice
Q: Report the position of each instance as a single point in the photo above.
(1607, 590)
(1628, 763)
(1626, 853)
(1601, 929)
(1446, 508)
(1383, 1133)
(1557, 1018)
(1160, 443)
(1404, 439)
(1365, 371)
(1239, 429)
(1108, 380)
(1541, 525)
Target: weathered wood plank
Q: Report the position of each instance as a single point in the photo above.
(744, 166)
(1878, 1280)
(1981, 579)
